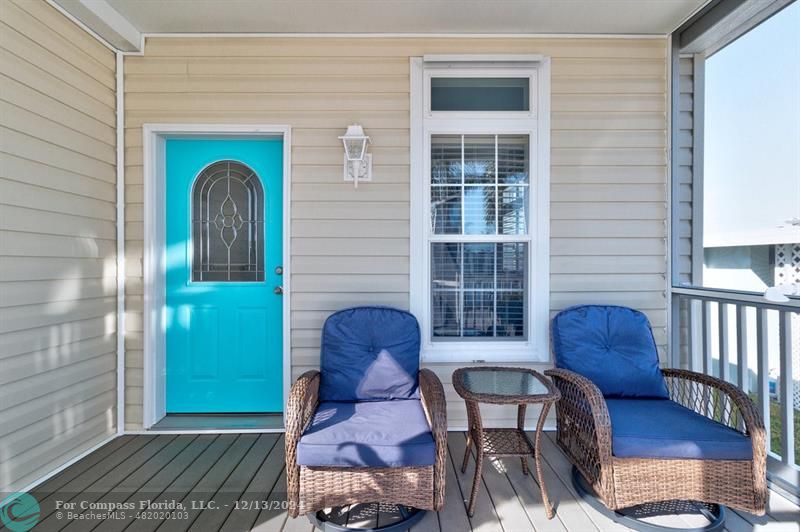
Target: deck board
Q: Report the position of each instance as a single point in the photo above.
(250, 467)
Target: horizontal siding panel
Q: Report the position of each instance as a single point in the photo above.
(328, 174)
(43, 459)
(55, 21)
(31, 124)
(36, 149)
(51, 406)
(607, 211)
(343, 264)
(344, 192)
(607, 282)
(264, 102)
(25, 365)
(608, 139)
(29, 50)
(50, 86)
(608, 67)
(267, 83)
(67, 292)
(633, 264)
(50, 177)
(21, 194)
(330, 118)
(607, 85)
(39, 245)
(603, 193)
(572, 120)
(592, 174)
(348, 283)
(593, 247)
(362, 247)
(349, 210)
(40, 221)
(608, 228)
(53, 312)
(608, 102)
(644, 301)
(353, 228)
(54, 42)
(336, 47)
(25, 390)
(49, 340)
(334, 301)
(25, 269)
(42, 431)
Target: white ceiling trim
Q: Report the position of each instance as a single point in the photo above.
(116, 22)
(81, 25)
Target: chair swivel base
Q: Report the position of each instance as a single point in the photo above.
(331, 521)
(715, 513)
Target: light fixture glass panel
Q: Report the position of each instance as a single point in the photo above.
(480, 94)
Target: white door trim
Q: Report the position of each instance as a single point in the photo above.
(154, 357)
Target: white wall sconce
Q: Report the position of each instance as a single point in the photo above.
(357, 162)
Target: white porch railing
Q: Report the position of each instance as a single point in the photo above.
(754, 344)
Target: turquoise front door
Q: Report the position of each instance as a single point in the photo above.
(223, 275)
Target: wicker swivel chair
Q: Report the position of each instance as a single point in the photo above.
(370, 426)
(638, 434)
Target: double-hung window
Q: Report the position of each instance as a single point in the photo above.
(479, 208)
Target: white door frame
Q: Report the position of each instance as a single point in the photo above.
(154, 260)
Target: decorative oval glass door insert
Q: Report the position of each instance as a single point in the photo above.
(227, 224)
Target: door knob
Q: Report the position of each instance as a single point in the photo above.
(278, 290)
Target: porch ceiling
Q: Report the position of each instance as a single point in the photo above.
(381, 16)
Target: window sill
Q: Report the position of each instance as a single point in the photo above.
(488, 353)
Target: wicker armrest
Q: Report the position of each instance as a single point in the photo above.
(584, 427)
(303, 401)
(729, 405)
(435, 406)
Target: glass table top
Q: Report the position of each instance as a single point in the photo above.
(510, 383)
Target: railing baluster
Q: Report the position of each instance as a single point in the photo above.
(724, 344)
(762, 352)
(786, 389)
(696, 335)
(742, 354)
(707, 360)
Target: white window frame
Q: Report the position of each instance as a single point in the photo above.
(536, 124)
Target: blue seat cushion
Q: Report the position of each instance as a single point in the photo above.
(368, 434)
(660, 428)
(611, 346)
(369, 354)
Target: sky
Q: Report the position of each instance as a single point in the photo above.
(752, 135)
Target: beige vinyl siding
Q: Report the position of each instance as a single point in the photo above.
(685, 169)
(57, 242)
(684, 227)
(351, 247)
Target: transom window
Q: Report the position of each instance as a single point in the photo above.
(228, 224)
(479, 258)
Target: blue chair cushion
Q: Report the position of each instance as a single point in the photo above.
(369, 354)
(611, 346)
(368, 434)
(660, 428)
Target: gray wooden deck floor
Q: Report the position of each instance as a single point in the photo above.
(226, 468)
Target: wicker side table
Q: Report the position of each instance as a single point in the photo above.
(496, 385)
